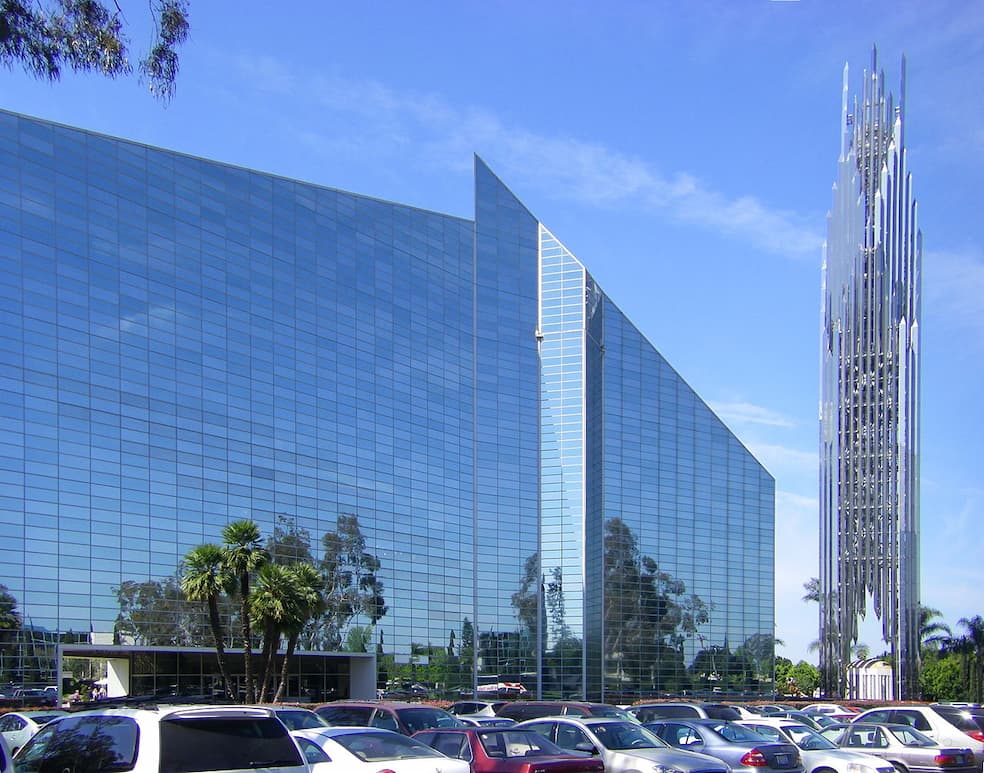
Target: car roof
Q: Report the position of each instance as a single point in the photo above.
(381, 704)
(331, 732)
(172, 711)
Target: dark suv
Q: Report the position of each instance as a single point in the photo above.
(520, 711)
(406, 718)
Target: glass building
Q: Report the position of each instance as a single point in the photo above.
(528, 489)
(869, 404)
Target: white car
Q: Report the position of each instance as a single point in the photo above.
(17, 727)
(370, 750)
(6, 763)
(167, 739)
(827, 708)
(819, 754)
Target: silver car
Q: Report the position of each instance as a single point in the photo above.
(909, 750)
(819, 754)
(742, 748)
(622, 745)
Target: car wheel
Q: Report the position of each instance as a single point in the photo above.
(824, 770)
(899, 767)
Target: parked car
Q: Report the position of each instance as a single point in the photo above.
(650, 712)
(740, 747)
(17, 727)
(370, 750)
(485, 708)
(296, 718)
(945, 725)
(819, 754)
(168, 739)
(502, 750)
(828, 708)
(621, 745)
(909, 750)
(6, 761)
(406, 718)
(523, 710)
(479, 720)
(811, 721)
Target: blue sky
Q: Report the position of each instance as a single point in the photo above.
(684, 151)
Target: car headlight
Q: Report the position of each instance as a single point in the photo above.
(858, 767)
(666, 769)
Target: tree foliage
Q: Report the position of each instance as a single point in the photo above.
(90, 36)
(10, 619)
(352, 588)
(648, 613)
(282, 594)
(157, 613)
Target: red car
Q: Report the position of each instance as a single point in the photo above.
(506, 750)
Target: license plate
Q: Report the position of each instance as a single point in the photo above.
(782, 760)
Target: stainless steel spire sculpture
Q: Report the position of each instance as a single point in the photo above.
(869, 409)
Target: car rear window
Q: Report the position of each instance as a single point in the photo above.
(345, 715)
(426, 719)
(958, 717)
(82, 744)
(221, 743)
(380, 746)
(675, 712)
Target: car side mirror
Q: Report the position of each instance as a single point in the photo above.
(586, 746)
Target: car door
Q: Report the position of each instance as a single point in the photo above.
(15, 730)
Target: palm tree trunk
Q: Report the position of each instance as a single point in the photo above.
(247, 636)
(271, 642)
(284, 670)
(216, 624)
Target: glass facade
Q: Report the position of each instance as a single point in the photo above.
(185, 344)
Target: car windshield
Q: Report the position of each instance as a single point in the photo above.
(807, 739)
(425, 718)
(517, 743)
(734, 733)
(625, 735)
(379, 746)
(909, 736)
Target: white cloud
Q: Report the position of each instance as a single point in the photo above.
(738, 413)
(784, 461)
(380, 121)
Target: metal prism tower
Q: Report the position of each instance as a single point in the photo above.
(869, 392)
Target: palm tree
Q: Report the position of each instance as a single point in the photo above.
(309, 586)
(974, 645)
(931, 632)
(812, 588)
(204, 578)
(273, 604)
(244, 555)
